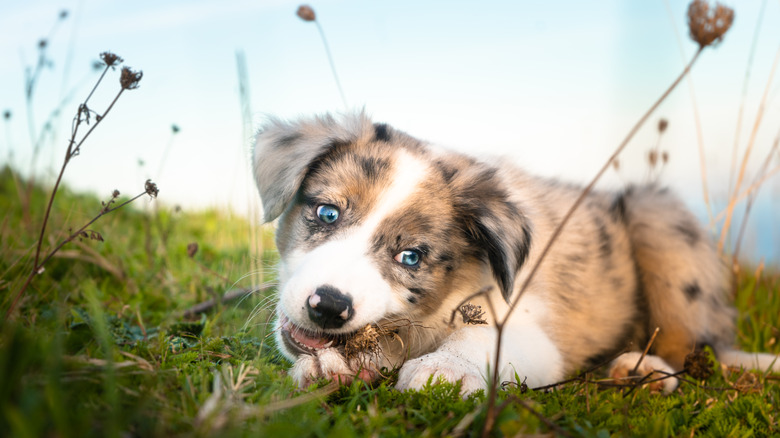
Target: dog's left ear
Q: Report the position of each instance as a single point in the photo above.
(284, 151)
(498, 229)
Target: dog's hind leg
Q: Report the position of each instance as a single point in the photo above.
(682, 278)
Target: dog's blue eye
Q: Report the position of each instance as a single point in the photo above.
(408, 257)
(328, 213)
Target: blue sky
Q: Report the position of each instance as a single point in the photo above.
(553, 86)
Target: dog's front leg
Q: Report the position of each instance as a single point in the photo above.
(467, 357)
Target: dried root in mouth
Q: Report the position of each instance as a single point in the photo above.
(365, 340)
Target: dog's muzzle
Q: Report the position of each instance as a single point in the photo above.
(329, 308)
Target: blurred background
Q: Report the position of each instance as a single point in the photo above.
(553, 86)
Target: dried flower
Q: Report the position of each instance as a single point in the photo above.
(707, 26)
(130, 79)
(110, 59)
(7, 114)
(192, 249)
(652, 158)
(306, 13)
(472, 314)
(699, 365)
(662, 125)
(175, 128)
(365, 340)
(151, 188)
(115, 194)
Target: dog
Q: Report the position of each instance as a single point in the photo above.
(382, 234)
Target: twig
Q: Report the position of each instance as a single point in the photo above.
(647, 348)
(38, 268)
(226, 298)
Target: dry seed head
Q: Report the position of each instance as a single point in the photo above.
(192, 249)
(698, 365)
(110, 59)
(7, 114)
(175, 128)
(306, 13)
(665, 157)
(707, 25)
(652, 158)
(151, 188)
(472, 314)
(115, 194)
(129, 79)
(366, 340)
(662, 125)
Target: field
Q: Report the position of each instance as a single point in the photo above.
(125, 316)
(100, 346)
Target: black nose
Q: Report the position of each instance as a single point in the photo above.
(329, 308)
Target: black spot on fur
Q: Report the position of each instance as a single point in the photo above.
(605, 241)
(618, 208)
(416, 291)
(447, 172)
(412, 300)
(689, 231)
(445, 257)
(692, 291)
(381, 132)
(288, 140)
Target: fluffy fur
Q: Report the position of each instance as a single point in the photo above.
(378, 228)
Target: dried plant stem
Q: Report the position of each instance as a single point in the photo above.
(745, 82)
(70, 153)
(38, 267)
(493, 387)
(74, 148)
(743, 194)
(332, 64)
(696, 118)
(227, 297)
(751, 197)
(646, 350)
(751, 142)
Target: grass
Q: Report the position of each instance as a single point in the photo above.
(98, 347)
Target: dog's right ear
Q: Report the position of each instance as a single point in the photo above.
(282, 155)
(284, 152)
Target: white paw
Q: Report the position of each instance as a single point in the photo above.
(330, 364)
(622, 367)
(415, 373)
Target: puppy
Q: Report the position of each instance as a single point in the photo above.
(384, 236)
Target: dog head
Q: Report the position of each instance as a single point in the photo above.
(376, 225)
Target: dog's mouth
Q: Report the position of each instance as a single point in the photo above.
(302, 341)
